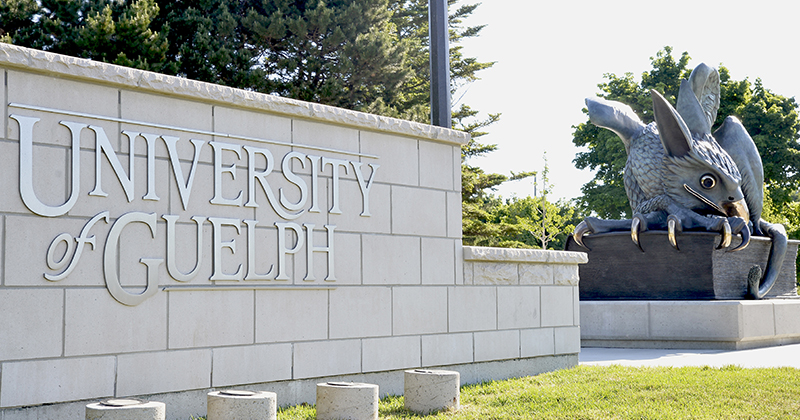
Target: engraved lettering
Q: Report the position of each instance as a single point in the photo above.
(261, 177)
(150, 139)
(289, 200)
(311, 249)
(364, 186)
(251, 254)
(219, 170)
(314, 183)
(26, 167)
(286, 167)
(81, 240)
(110, 266)
(103, 147)
(283, 250)
(336, 164)
(172, 266)
(217, 223)
(184, 187)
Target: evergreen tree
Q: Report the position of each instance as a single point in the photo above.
(14, 16)
(479, 207)
(208, 42)
(339, 52)
(116, 32)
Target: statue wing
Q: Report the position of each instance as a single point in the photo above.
(698, 99)
(704, 81)
(733, 137)
(616, 117)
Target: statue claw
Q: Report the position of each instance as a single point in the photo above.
(581, 230)
(638, 224)
(745, 240)
(726, 235)
(673, 225)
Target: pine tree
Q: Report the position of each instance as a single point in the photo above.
(116, 32)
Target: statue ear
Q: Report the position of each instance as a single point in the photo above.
(675, 135)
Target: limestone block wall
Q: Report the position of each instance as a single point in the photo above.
(162, 236)
(536, 293)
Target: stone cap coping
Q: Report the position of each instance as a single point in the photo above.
(482, 253)
(12, 56)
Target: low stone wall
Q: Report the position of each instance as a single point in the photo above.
(163, 237)
(541, 284)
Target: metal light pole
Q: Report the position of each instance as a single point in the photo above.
(440, 63)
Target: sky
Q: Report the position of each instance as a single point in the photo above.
(550, 55)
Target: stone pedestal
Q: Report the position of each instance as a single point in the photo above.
(617, 269)
(126, 409)
(690, 324)
(426, 391)
(235, 404)
(347, 401)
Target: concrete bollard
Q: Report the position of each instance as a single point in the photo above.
(426, 391)
(126, 409)
(347, 401)
(236, 404)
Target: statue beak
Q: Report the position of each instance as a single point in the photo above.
(737, 208)
(728, 208)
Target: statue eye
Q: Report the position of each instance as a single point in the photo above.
(708, 181)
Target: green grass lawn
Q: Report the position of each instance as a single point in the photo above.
(589, 392)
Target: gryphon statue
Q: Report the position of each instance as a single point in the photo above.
(679, 176)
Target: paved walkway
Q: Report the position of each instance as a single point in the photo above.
(779, 356)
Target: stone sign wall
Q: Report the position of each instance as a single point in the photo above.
(162, 236)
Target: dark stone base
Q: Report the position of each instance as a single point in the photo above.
(617, 269)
